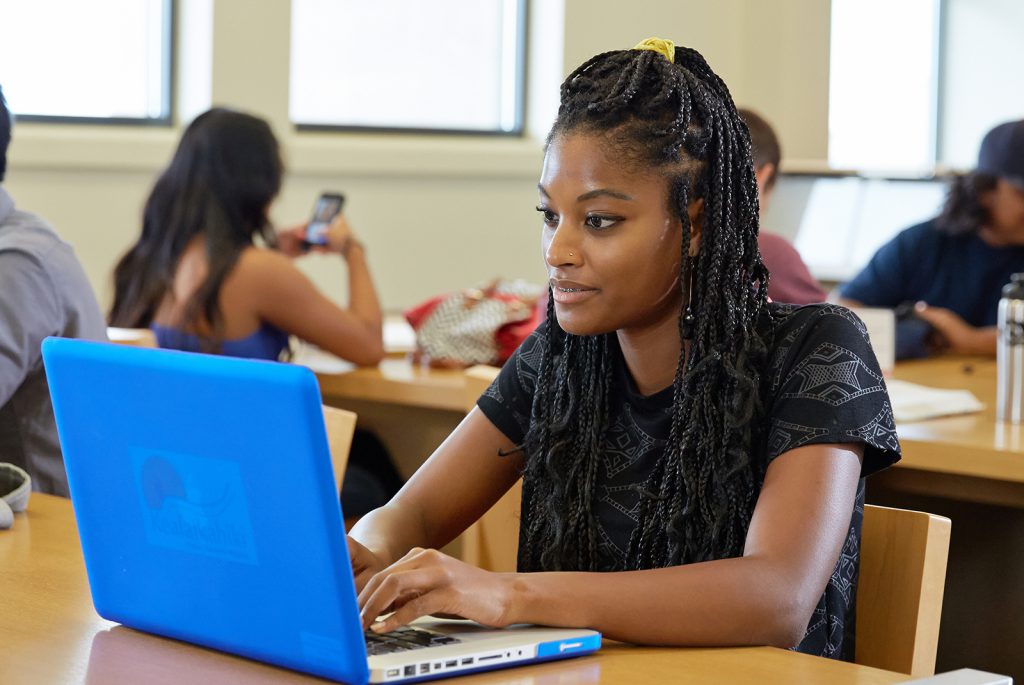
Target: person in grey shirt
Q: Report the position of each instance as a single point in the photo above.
(43, 291)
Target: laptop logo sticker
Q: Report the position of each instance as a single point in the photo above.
(194, 504)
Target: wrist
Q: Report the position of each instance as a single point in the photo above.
(516, 597)
(351, 247)
(540, 598)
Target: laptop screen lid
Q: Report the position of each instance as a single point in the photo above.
(206, 503)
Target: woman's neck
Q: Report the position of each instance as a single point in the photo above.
(652, 354)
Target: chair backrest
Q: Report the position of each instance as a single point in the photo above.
(492, 543)
(899, 595)
(341, 426)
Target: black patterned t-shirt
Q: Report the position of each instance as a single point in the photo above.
(822, 385)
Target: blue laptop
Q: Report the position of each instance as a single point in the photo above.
(208, 512)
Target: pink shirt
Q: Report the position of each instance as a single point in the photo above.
(790, 281)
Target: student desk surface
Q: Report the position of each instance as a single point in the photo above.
(971, 469)
(395, 381)
(970, 457)
(50, 634)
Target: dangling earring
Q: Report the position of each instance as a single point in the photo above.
(689, 321)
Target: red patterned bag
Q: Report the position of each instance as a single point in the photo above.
(476, 326)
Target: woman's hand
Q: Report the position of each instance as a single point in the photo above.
(290, 241)
(957, 335)
(425, 582)
(340, 238)
(365, 564)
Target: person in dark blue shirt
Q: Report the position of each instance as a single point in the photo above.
(952, 268)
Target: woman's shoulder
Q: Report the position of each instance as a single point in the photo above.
(798, 331)
(787, 319)
(260, 265)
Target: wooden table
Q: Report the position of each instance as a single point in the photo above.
(397, 381)
(971, 469)
(971, 457)
(50, 634)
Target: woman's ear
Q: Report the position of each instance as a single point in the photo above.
(696, 212)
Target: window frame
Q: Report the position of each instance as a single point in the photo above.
(518, 129)
(939, 29)
(168, 72)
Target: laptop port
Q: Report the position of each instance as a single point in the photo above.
(424, 668)
(451, 664)
(393, 672)
(410, 670)
(467, 661)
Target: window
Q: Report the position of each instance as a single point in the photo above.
(983, 71)
(105, 60)
(451, 65)
(883, 85)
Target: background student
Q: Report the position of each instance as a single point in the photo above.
(43, 292)
(951, 269)
(690, 468)
(199, 279)
(790, 281)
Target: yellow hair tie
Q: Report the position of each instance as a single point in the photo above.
(662, 46)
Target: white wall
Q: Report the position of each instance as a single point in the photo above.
(437, 213)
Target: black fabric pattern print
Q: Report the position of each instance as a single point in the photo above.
(822, 386)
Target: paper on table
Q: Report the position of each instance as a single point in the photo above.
(318, 360)
(399, 337)
(881, 325)
(912, 402)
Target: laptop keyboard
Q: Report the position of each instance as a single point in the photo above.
(404, 639)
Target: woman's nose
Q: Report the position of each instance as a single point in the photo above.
(561, 250)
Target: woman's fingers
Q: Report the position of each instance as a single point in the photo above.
(433, 602)
(408, 590)
(365, 564)
(426, 582)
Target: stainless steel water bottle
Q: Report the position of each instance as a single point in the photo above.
(1010, 352)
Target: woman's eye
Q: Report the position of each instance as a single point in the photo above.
(549, 217)
(601, 222)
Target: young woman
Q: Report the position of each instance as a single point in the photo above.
(199, 280)
(692, 456)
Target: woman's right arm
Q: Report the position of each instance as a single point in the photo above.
(362, 295)
(458, 484)
(280, 294)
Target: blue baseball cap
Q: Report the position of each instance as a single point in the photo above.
(1002, 152)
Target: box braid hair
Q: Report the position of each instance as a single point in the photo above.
(677, 118)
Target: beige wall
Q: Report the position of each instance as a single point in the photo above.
(436, 213)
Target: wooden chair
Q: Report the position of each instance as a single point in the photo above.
(492, 543)
(135, 337)
(341, 426)
(899, 595)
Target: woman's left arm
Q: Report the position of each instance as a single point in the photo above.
(767, 596)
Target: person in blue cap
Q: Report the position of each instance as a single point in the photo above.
(945, 275)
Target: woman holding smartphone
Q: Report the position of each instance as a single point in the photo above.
(197, 277)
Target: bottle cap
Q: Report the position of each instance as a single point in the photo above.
(1014, 290)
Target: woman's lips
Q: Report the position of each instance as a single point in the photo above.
(570, 292)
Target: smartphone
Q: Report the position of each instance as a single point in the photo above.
(327, 206)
